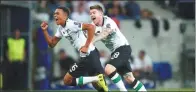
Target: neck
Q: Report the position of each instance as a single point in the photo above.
(64, 23)
(17, 37)
(101, 22)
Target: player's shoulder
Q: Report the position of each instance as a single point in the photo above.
(108, 19)
(71, 23)
(108, 22)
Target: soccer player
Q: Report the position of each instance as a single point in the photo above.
(116, 42)
(90, 62)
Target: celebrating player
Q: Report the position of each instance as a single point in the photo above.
(116, 42)
(90, 62)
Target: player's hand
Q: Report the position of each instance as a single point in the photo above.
(44, 26)
(84, 49)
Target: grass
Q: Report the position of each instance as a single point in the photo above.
(154, 90)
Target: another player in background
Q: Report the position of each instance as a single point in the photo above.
(90, 62)
(116, 42)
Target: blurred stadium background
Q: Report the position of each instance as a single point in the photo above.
(163, 29)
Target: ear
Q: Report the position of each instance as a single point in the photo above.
(101, 13)
(66, 16)
(65, 13)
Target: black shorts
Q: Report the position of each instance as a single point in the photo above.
(90, 65)
(120, 59)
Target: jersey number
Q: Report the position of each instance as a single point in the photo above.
(116, 54)
(73, 68)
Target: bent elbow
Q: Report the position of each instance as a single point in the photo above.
(51, 45)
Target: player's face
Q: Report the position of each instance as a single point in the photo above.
(60, 16)
(95, 15)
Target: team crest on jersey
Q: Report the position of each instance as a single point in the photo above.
(68, 30)
(108, 26)
(79, 24)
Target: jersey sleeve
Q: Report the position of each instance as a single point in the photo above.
(58, 33)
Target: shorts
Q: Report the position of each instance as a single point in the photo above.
(90, 65)
(120, 59)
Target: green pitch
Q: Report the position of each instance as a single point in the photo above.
(153, 90)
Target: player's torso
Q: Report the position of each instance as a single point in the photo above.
(116, 38)
(75, 36)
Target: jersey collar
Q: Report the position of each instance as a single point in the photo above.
(103, 21)
(66, 22)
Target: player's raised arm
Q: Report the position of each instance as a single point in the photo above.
(52, 41)
(90, 32)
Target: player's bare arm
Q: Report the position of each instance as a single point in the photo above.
(52, 41)
(90, 34)
(102, 34)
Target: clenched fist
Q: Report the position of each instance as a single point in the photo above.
(44, 26)
(84, 49)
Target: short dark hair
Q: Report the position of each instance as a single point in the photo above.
(98, 7)
(65, 9)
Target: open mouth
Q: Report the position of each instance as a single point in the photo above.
(93, 18)
(56, 19)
